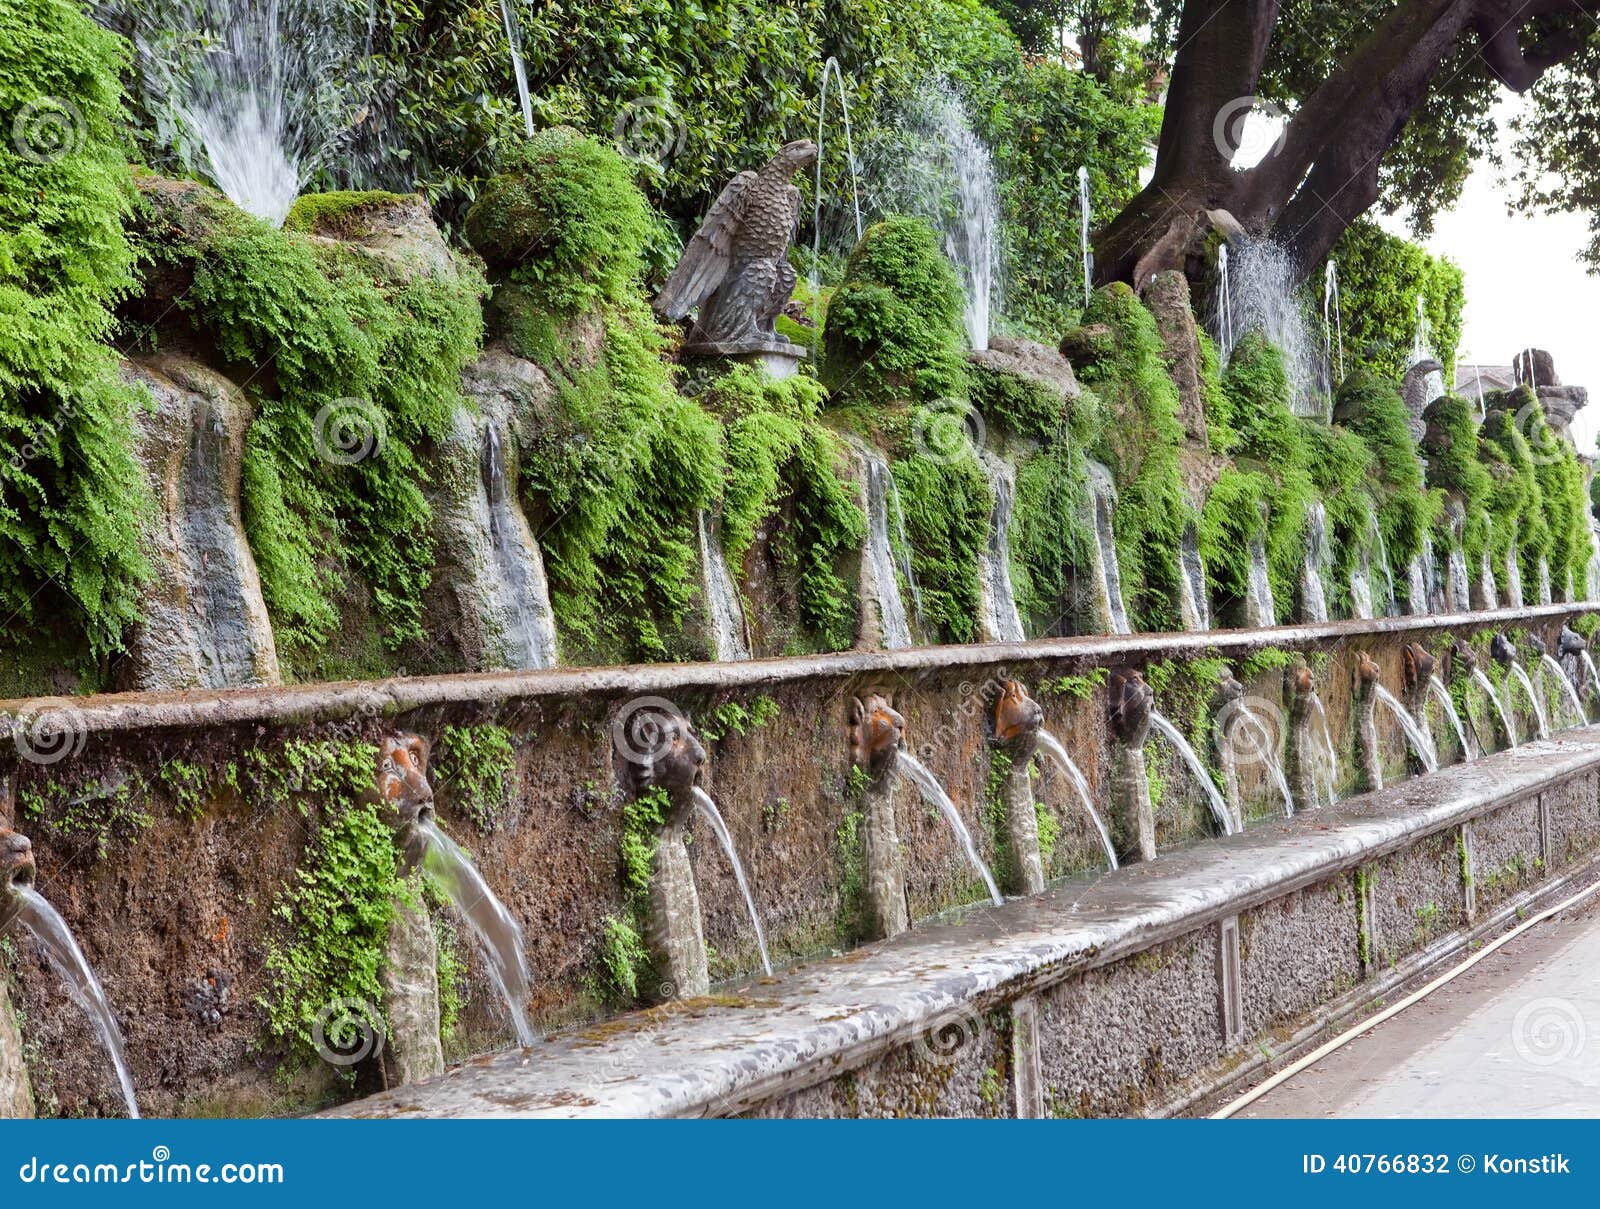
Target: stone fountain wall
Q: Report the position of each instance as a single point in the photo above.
(168, 867)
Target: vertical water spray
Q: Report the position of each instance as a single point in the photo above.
(1084, 252)
(256, 95)
(1332, 324)
(707, 809)
(1224, 304)
(948, 178)
(1110, 608)
(1314, 570)
(1264, 297)
(879, 555)
(1569, 694)
(1484, 683)
(78, 977)
(933, 793)
(519, 580)
(830, 69)
(1420, 745)
(499, 936)
(508, 15)
(1442, 696)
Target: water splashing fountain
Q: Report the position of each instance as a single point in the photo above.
(258, 95)
(1332, 325)
(1257, 293)
(1085, 253)
(830, 69)
(1197, 769)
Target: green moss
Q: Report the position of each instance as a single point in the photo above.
(450, 965)
(994, 816)
(733, 718)
(335, 911)
(642, 819)
(337, 214)
(355, 352)
(106, 812)
(1139, 440)
(623, 956)
(566, 219)
(1454, 466)
(893, 333)
(851, 851)
(477, 765)
(777, 452)
(947, 502)
(1079, 688)
(72, 498)
(189, 786)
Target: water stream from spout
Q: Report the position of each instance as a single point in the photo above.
(1442, 696)
(499, 936)
(1520, 675)
(1330, 752)
(1594, 675)
(708, 811)
(78, 977)
(1202, 778)
(933, 793)
(1261, 741)
(1569, 694)
(1484, 683)
(1053, 748)
(1414, 733)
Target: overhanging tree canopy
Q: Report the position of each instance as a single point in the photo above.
(1383, 102)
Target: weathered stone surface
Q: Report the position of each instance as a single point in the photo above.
(1088, 343)
(1414, 389)
(16, 1096)
(1029, 359)
(411, 1049)
(1534, 367)
(1561, 404)
(491, 599)
(204, 622)
(397, 233)
(1167, 297)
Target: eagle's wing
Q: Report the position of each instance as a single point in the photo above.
(705, 261)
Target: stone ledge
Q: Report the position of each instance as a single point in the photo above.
(726, 1054)
(296, 704)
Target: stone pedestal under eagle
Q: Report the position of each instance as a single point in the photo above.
(736, 268)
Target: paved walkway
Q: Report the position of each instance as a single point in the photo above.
(1518, 1035)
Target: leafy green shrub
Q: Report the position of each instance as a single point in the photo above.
(72, 499)
(477, 765)
(1516, 502)
(893, 332)
(566, 218)
(1454, 467)
(1381, 277)
(1139, 440)
(947, 503)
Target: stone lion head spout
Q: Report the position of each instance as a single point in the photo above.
(1017, 718)
(1128, 702)
(17, 872)
(877, 733)
(405, 799)
(1367, 672)
(1416, 669)
(1501, 650)
(673, 760)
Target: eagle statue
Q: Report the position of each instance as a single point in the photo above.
(736, 268)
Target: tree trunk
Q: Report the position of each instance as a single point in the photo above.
(1324, 171)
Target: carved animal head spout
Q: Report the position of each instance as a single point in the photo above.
(1367, 673)
(405, 799)
(1463, 657)
(1226, 690)
(877, 733)
(1417, 669)
(1570, 642)
(1501, 650)
(1302, 689)
(17, 872)
(1128, 704)
(1017, 718)
(672, 759)
(1537, 645)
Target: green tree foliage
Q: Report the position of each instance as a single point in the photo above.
(71, 496)
(1381, 276)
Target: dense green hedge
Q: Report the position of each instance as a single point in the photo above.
(71, 496)
(1380, 278)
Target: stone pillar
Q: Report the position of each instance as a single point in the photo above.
(16, 869)
(1369, 759)
(1305, 749)
(412, 1051)
(1129, 704)
(674, 937)
(1017, 719)
(876, 734)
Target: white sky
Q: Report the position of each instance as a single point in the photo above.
(1525, 285)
